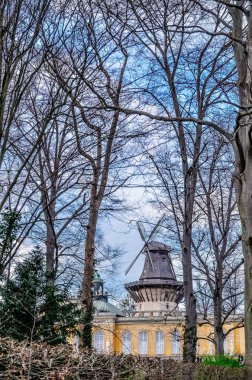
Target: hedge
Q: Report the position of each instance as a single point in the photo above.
(40, 361)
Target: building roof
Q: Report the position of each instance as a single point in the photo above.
(102, 306)
(157, 246)
(96, 277)
(158, 265)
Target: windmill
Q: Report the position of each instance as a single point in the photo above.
(146, 240)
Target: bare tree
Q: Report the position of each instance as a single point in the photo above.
(216, 243)
(60, 177)
(164, 32)
(234, 20)
(87, 73)
(216, 251)
(21, 57)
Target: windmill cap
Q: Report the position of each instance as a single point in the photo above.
(157, 264)
(157, 246)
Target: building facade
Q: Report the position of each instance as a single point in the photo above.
(155, 325)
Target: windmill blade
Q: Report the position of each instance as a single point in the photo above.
(156, 228)
(133, 262)
(150, 258)
(141, 230)
(173, 271)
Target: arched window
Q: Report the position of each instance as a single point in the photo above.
(99, 341)
(159, 342)
(143, 343)
(176, 339)
(126, 342)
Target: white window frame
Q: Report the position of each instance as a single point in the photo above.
(99, 341)
(126, 342)
(176, 343)
(143, 342)
(160, 339)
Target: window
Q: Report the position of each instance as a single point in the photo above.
(126, 342)
(211, 348)
(143, 343)
(176, 342)
(159, 343)
(99, 341)
(225, 344)
(231, 344)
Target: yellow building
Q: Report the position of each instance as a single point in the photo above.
(155, 325)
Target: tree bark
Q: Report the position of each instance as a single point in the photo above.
(243, 173)
(86, 294)
(48, 200)
(218, 325)
(190, 330)
(245, 209)
(242, 144)
(50, 249)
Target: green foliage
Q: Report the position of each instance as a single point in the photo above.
(9, 226)
(59, 317)
(221, 360)
(29, 309)
(87, 329)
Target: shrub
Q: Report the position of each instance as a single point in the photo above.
(221, 360)
(42, 361)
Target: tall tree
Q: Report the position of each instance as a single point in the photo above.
(87, 72)
(234, 18)
(21, 57)
(181, 98)
(59, 176)
(216, 242)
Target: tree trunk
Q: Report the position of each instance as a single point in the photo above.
(190, 332)
(219, 340)
(86, 293)
(243, 180)
(50, 254)
(190, 181)
(245, 209)
(218, 329)
(50, 243)
(243, 154)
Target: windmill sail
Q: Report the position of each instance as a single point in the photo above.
(156, 228)
(145, 248)
(141, 230)
(133, 262)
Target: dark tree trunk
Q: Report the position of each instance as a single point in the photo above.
(243, 154)
(218, 326)
(86, 293)
(50, 254)
(190, 330)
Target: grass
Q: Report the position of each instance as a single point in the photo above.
(221, 360)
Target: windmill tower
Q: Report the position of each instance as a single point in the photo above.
(157, 292)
